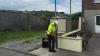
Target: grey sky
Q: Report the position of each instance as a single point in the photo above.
(62, 5)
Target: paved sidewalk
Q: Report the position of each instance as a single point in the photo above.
(22, 45)
(60, 52)
(8, 52)
(94, 45)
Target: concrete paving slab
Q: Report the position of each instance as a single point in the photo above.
(22, 46)
(41, 52)
(60, 52)
(8, 52)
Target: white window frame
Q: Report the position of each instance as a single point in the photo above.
(96, 24)
(96, 19)
(96, 1)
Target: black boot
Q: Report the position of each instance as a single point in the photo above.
(50, 50)
(53, 50)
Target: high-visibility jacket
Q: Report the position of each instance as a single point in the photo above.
(51, 28)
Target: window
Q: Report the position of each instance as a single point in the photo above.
(97, 20)
(96, 1)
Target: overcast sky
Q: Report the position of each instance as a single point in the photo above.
(62, 5)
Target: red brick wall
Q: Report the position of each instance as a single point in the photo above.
(90, 5)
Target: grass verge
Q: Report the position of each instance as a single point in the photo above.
(12, 36)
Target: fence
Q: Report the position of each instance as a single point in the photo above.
(18, 21)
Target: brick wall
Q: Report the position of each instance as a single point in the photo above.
(90, 5)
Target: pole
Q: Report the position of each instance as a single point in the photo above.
(55, 8)
(70, 9)
(56, 19)
(70, 27)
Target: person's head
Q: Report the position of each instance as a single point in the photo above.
(56, 23)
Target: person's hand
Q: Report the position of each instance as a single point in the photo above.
(55, 35)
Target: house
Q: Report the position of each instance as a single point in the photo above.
(91, 15)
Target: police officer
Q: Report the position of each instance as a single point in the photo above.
(52, 34)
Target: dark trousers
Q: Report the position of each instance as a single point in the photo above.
(51, 40)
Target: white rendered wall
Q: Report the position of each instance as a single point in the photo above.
(70, 43)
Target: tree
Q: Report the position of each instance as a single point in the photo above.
(75, 19)
(76, 16)
(61, 13)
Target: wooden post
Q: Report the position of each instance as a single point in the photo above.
(28, 20)
(29, 23)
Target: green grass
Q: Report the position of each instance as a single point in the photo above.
(12, 36)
